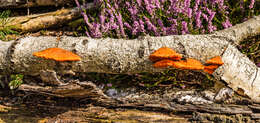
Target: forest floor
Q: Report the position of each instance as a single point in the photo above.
(21, 107)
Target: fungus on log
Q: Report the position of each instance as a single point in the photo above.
(169, 57)
(210, 68)
(121, 56)
(216, 60)
(188, 64)
(213, 64)
(163, 63)
(164, 53)
(57, 54)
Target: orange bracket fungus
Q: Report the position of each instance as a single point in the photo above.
(165, 57)
(215, 60)
(57, 54)
(164, 53)
(213, 64)
(189, 63)
(210, 68)
(163, 63)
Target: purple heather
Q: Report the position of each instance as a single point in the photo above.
(251, 4)
(184, 27)
(189, 12)
(141, 23)
(127, 25)
(226, 24)
(205, 17)
(198, 21)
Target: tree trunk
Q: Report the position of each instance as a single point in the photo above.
(122, 56)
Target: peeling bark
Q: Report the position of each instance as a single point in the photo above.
(122, 56)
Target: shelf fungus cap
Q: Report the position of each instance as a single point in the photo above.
(215, 60)
(189, 64)
(210, 68)
(57, 54)
(163, 63)
(164, 53)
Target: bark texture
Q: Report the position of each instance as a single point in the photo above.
(37, 22)
(122, 56)
(42, 21)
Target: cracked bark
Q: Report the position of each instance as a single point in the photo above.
(122, 56)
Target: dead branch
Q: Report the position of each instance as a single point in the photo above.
(42, 21)
(36, 3)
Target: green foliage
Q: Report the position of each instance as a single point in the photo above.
(6, 29)
(251, 47)
(239, 11)
(16, 81)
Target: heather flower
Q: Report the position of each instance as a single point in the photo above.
(211, 15)
(105, 27)
(198, 21)
(197, 2)
(163, 29)
(109, 85)
(251, 4)
(186, 4)
(120, 22)
(183, 86)
(133, 10)
(127, 25)
(135, 28)
(211, 28)
(85, 17)
(205, 17)
(141, 24)
(258, 64)
(184, 27)
(174, 21)
(150, 26)
(159, 21)
(226, 24)
(96, 32)
(102, 19)
(189, 12)
(139, 2)
(157, 3)
(176, 15)
(127, 4)
(113, 26)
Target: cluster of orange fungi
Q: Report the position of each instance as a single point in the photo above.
(57, 54)
(165, 57)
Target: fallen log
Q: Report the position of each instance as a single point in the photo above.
(35, 3)
(122, 56)
(36, 22)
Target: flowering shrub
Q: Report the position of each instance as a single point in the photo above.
(131, 18)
